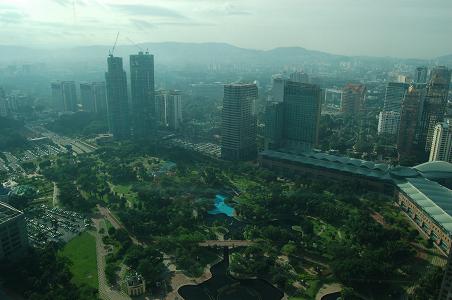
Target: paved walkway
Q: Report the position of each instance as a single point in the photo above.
(105, 291)
(226, 243)
(56, 194)
(328, 289)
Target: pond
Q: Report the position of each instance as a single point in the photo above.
(223, 286)
(332, 296)
(221, 207)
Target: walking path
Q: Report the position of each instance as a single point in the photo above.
(56, 194)
(105, 291)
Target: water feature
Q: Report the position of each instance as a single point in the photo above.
(332, 296)
(221, 207)
(222, 286)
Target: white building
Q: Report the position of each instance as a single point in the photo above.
(442, 142)
(278, 82)
(388, 122)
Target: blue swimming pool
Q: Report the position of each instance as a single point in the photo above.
(221, 207)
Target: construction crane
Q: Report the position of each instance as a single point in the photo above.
(112, 51)
(133, 43)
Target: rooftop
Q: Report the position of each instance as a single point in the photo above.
(435, 169)
(433, 198)
(7, 212)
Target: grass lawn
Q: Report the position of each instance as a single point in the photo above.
(82, 253)
(126, 191)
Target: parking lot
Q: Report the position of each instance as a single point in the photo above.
(53, 224)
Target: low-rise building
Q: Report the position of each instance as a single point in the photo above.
(135, 284)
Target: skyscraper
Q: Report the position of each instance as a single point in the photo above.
(446, 286)
(13, 232)
(69, 95)
(238, 140)
(278, 83)
(174, 109)
(435, 103)
(118, 107)
(299, 76)
(160, 108)
(420, 75)
(353, 98)
(388, 121)
(407, 138)
(274, 121)
(301, 115)
(442, 142)
(93, 97)
(142, 89)
(64, 96)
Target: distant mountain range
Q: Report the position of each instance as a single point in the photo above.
(192, 54)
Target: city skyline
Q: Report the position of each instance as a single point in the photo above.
(320, 26)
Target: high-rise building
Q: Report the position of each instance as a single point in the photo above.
(333, 98)
(446, 286)
(442, 142)
(277, 92)
(174, 109)
(142, 90)
(274, 121)
(395, 92)
(435, 103)
(420, 75)
(13, 233)
(407, 138)
(301, 115)
(299, 76)
(117, 103)
(93, 97)
(69, 96)
(64, 96)
(238, 140)
(353, 98)
(388, 122)
(160, 108)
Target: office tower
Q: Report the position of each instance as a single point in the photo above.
(299, 76)
(278, 83)
(117, 103)
(64, 96)
(142, 89)
(174, 109)
(407, 138)
(446, 286)
(388, 122)
(239, 122)
(100, 97)
(13, 233)
(353, 98)
(87, 97)
(420, 75)
(435, 103)
(93, 97)
(333, 98)
(442, 142)
(57, 96)
(395, 92)
(69, 96)
(301, 115)
(160, 108)
(273, 130)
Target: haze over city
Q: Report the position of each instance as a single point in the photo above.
(225, 149)
(405, 28)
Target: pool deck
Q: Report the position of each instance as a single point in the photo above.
(328, 289)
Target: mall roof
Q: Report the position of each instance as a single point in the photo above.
(334, 162)
(435, 169)
(7, 212)
(433, 198)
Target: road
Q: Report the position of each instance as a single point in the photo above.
(106, 213)
(226, 243)
(105, 291)
(56, 194)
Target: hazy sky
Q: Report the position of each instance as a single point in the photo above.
(403, 28)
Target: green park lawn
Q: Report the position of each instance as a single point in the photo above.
(81, 251)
